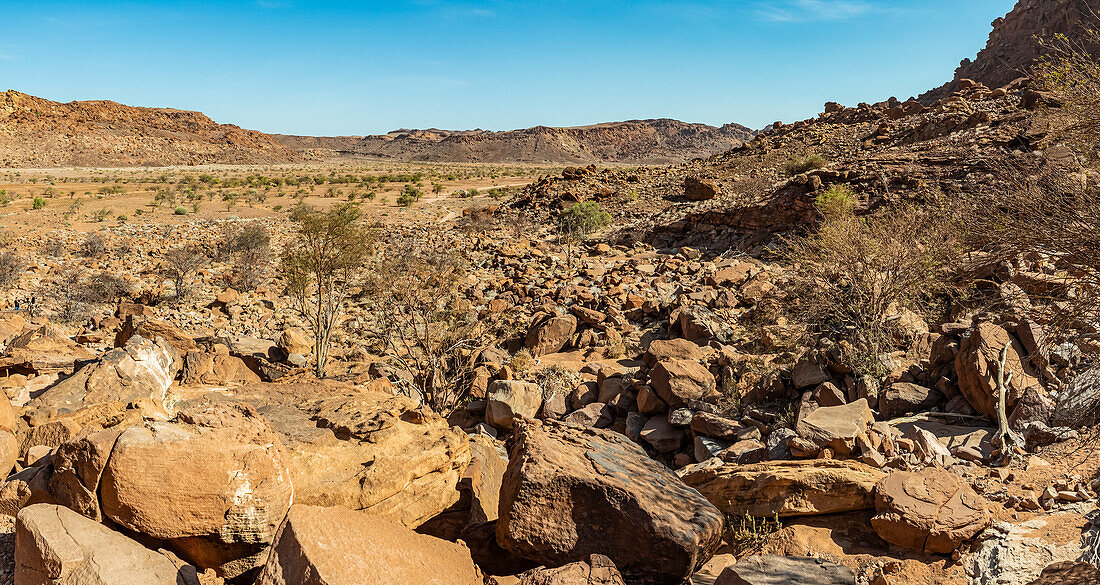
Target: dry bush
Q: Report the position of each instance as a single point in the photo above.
(101, 287)
(249, 251)
(854, 272)
(415, 294)
(181, 264)
(94, 246)
(1070, 75)
(11, 267)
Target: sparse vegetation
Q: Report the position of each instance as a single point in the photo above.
(11, 266)
(854, 272)
(181, 263)
(801, 164)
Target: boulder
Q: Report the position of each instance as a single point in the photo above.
(213, 483)
(551, 335)
(679, 381)
(153, 330)
(368, 451)
(56, 546)
(508, 398)
(903, 398)
(599, 570)
(142, 369)
(1080, 401)
(776, 570)
(9, 452)
(337, 546)
(976, 365)
(698, 189)
(216, 369)
(837, 427)
(25, 488)
(295, 341)
(671, 349)
(45, 350)
(785, 488)
(701, 325)
(660, 435)
(570, 493)
(932, 510)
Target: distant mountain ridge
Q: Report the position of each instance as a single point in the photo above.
(36, 132)
(658, 141)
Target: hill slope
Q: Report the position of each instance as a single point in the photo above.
(1013, 44)
(36, 132)
(635, 141)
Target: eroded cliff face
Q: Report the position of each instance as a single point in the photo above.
(1014, 42)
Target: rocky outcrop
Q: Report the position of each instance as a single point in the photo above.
(374, 452)
(634, 141)
(569, 493)
(1014, 42)
(337, 546)
(142, 369)
(43, 133)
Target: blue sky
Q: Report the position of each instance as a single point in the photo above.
(343, 67)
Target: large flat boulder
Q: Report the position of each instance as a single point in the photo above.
(337, 546)
(978, 361)
(569, 493)
(599, 570)
(56, 546)
(785, 488)
(212, 484)
(45, 350)
(777, 570)
(932, 510)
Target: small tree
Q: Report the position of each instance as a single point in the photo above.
(322, 265)
(580, 221)
(249, 250)
(180, 264)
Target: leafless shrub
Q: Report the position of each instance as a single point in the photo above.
(854, 271)
(11, 267)
(415, 293)
(181, 264)
(94, 246)
(101, 287)
(249, 250)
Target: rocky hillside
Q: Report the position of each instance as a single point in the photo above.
(36, 132)
(637, 142)
(1013, 45)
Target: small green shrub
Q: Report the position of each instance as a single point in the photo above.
(836, 201)
(798, 165)
(38, 203)
(181, 210)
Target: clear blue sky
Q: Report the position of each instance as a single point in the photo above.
(343, 67)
